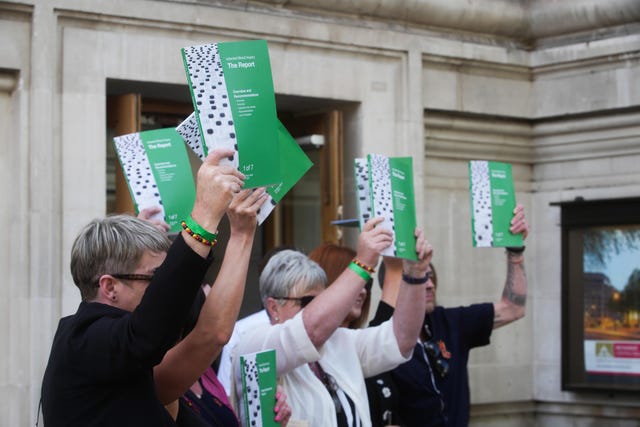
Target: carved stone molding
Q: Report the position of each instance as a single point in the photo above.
(526, 21)
(577, 138)
(477, 67)
(453, 135)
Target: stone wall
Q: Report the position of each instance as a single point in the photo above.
(560, 101)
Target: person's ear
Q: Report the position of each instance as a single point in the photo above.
(273, 309)
(107, 288)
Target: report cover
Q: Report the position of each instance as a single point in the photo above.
(259, 383)
(232, 91)
(492, 203)
(157, 170)
(384, 187)
(294, 162)
(363, 190)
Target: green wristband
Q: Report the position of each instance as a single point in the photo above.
(199, 230)
(360, 271)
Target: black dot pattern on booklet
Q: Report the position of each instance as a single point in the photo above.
(189, 131)
(137, 169)
(381, 185)
(265, 208)
(253, 390)
(481, 203)
(363, 189)
(211, 97)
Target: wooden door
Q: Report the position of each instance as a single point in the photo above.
(123, 117)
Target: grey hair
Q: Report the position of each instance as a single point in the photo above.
(288, 269)
(110, 245)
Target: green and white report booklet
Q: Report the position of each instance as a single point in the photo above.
(293, 161)
(232, 92)
(259, 382)
(384, 187)
(493, 200)
(158, 173)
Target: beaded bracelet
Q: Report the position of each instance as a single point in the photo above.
(364, 266)
(196, 231)
(360, 271)
(416, 280)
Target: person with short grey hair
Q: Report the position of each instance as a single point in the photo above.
(321, 366)
(290, 269)
(137, 291)
(114, 243)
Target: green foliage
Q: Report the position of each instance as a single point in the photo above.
(601, 244)
(630, 295)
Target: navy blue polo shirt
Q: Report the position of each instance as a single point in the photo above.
(427, 400)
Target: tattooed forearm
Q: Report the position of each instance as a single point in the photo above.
(509, 293)
(511, 306)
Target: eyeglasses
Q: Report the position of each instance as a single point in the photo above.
(304, 301)
(127, 276)
(440, 365)
(124, 276)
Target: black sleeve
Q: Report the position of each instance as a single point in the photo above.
(383, 313)
(155, 325)
(476, 324)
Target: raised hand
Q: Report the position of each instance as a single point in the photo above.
(425, 253)
(215, 187)
(147, 215)
(244, 208)
(372, 241)
(519, 222)
(411, 302)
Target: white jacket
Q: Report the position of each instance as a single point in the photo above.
(349, 356)
(225, 372)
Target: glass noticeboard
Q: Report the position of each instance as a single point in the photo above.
(601, 295)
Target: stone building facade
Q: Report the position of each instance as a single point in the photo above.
(552, 87)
